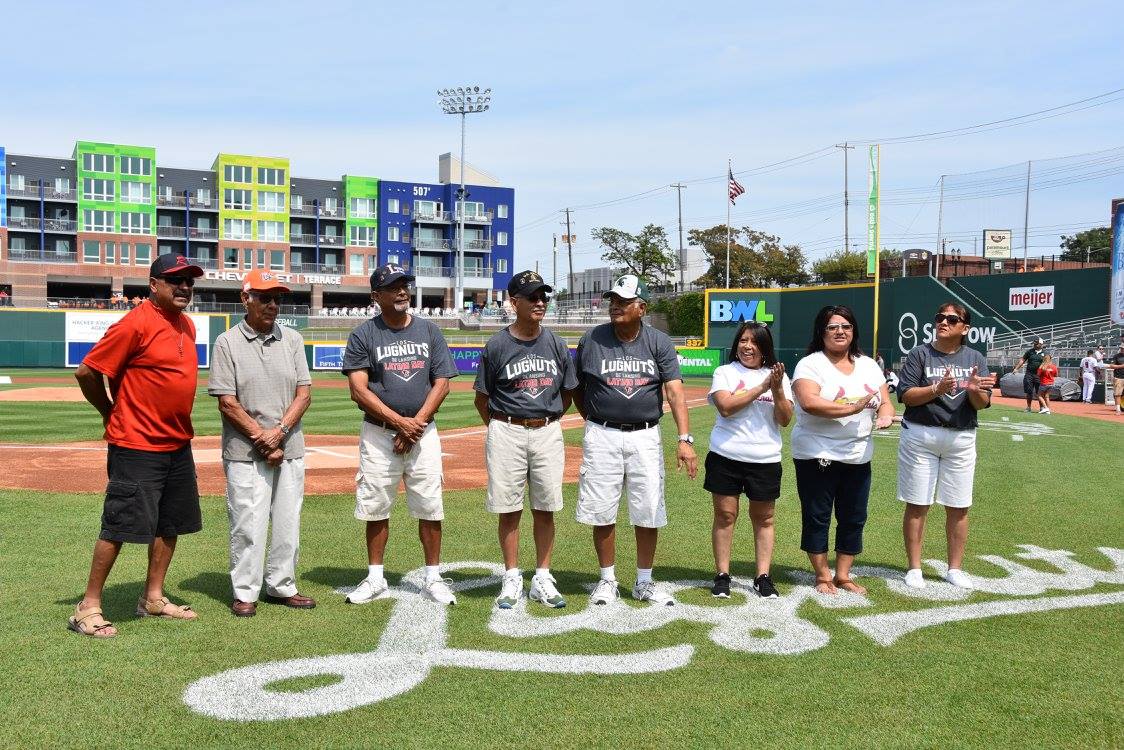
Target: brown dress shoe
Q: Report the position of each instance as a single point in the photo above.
(296, 601)
(244, 609)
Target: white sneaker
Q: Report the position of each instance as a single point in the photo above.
(604, 593)
(438, 590)
(510, 590)
(958, 577)
(1044, 411)
(368, 591)
(914, 578)
(543, 590)
(646, 591)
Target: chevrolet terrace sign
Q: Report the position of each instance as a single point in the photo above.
(284, 278)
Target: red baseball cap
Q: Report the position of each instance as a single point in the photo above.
(262, 281)
(173, 263)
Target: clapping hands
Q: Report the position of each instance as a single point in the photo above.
(977, 382)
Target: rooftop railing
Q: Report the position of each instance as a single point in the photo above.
(333, 240)
(47, 256)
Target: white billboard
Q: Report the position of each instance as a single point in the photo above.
(997, 243)
(84, 329)
(1030, 298)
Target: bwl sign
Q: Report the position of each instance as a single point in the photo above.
(284, 278)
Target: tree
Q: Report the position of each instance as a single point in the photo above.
(1093, 245)
(647, 254)
(844, 265)
(757, 259)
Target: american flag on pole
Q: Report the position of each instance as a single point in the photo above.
(735, 187)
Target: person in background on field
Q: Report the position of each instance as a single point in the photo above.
(841, 398)
(261, 379)
(943, 385)
(1116, 364)
(523, 387)
(753, 397)
(150, 360)
(1099, 354)
(625, 371)
(1047, 373)
(398, 367)
(1088, 376)
(1031, 385)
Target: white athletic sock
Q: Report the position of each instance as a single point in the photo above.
(515, 572)
(609, 573)
(431, 573)
(643, 575)
(542, 571)
(374, 572)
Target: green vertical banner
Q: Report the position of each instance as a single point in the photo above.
(872, 215)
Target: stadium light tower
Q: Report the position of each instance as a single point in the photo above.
(462, 100)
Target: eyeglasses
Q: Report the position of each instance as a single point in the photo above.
(266, 299)
(179, 280)
(952, 319)
(833, 327)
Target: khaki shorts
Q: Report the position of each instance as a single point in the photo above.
(381, 469)
(613, 461)
(520, 458)
(1118, 386)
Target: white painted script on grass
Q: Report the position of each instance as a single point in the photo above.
(415, 639)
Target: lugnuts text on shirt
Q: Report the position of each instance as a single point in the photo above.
(402, 359)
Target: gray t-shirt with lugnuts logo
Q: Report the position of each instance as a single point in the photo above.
(926, 365)
(525, 378)
(401, 364)
(624, 381)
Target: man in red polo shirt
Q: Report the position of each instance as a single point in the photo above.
(150, 361)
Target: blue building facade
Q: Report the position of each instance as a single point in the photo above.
(419, 225)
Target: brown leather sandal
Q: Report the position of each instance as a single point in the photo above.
(849, 585)
(825, 582)
(81, 622)
(163, 608)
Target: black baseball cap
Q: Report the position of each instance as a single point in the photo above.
(173, 263)
(526, 283)
(386, 275)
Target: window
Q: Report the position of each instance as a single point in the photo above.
(136, 192)
(97, 190)
(237, 200)
(163, 249)
(97, 221)
(136, 223)
(164, 193)
(203, 222)
(271, 202)
(163, 220)
(271, 231)
(267, 176)
(124, 253)
(91, 251)
(501, 211)
(62, 184)
(111, 252)
(16, 212)
(97, 162)
(247, 258)
(17, 243)
(237, 173)
(392, 205)
(426, 209)
(392, 258)
(15, 182)
(230, 257)
(363, 236)
(501, 265)
(355, 265)
(237, 229)
(203, 196)
(392, 234)
(296, 258)
(330, 230)
(261, 258)
(276, 260)
(362, 208)
(297, 202)
(136, 165)
(144, 254)
(501, 239)
(473, 210)
(331, 206)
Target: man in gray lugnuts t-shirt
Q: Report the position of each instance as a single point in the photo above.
(624, 380)
(525, 378)
(926, 365)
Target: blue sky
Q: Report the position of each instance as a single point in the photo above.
(596, 101)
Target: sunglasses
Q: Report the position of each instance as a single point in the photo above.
(537, 297)
(952, 319)
(179, 280)
(833, 327)
(266, 299)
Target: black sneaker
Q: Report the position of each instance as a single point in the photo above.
(764, 587)
(721, 587)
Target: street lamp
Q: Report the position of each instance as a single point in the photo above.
(462, 101)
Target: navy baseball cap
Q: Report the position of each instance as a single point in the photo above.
(386, 275)
(526, 283)
(173, 263)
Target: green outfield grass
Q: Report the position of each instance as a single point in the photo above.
(1049, 679)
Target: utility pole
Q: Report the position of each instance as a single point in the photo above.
(570, 252)
(679, 189)
(846, 195)
(1026, 214)
(940, 218)
(554, 278)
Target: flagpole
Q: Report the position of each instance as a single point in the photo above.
(877, 242)
(729, 171)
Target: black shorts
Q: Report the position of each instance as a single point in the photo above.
(725, 476)
(1031, 385)
(150, 494)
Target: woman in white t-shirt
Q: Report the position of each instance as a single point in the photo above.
(841, 398)
(754, 400)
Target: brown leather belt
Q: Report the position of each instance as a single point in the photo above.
(530, 424)
(385, 426)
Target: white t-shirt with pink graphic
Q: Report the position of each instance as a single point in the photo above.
(750, 435)
(846, 439)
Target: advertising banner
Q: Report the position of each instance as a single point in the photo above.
(1116, 285)
(696, 362)
(84, 329)
(997, 244)
(327, 356)
(872, 225)
(1030, 298)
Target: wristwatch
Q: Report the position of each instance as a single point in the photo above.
(689, 439)
(285, 430)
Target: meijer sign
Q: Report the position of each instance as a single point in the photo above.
(1031, 298)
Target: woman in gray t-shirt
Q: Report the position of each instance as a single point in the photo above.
(943, 384)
